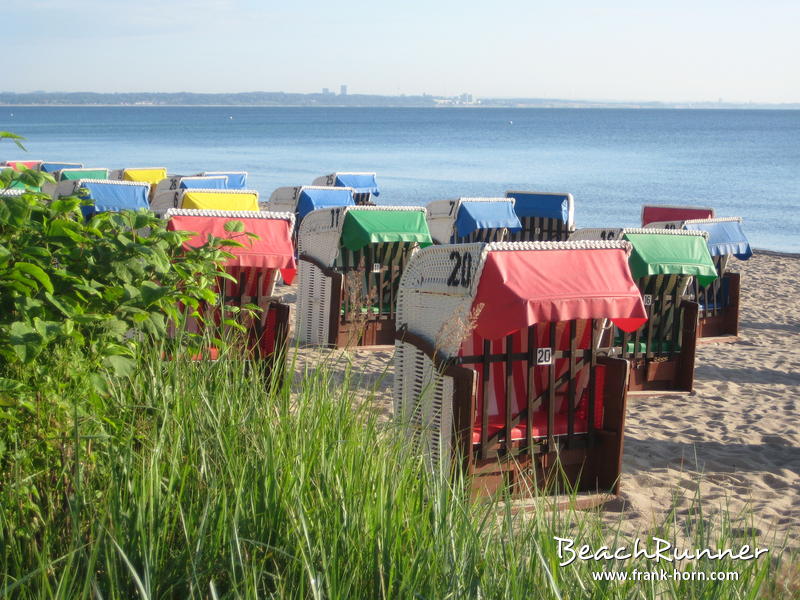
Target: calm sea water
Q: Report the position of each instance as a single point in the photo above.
(743, 163)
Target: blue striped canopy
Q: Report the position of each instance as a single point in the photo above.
(109, 197)
(473, 216)
(316, 198)
(211, 182)
(237, 180)
(360, 182)
(548, 206)
(724, 237)
(52, 167)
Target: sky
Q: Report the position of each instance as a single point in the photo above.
(672, 51)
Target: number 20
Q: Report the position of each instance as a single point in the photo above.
(462, 269)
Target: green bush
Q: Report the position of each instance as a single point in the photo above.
(79, 302)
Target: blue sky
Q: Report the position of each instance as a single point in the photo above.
(739, 51)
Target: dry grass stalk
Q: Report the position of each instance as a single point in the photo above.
(457, 328)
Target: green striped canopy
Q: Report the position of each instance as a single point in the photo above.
(84, 174)
(364, 227)
(662, 254)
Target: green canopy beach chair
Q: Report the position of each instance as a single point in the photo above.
(351, 260)
(719, 301)
(663, 262)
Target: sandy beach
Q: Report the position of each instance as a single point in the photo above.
(734, 443)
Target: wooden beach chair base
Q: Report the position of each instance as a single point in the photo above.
(721, 324)
(592, 464)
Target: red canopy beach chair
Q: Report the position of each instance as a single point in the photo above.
(254, 267)
(657, 213)
(526, 390)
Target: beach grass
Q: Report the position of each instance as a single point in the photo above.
(215, 480)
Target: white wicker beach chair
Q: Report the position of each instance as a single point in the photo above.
(664, 262)
(497, 361)
(465, 220)
(345, 296)
(719, 301)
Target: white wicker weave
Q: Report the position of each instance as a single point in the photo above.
(442, 216)
(11, 192)
(422, 395)
(679, 224)
(318, 237)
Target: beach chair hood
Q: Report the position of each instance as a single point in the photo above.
(575, 281)
(725, 236)
(112, 195)
(82, 173)
(237, 180)
(660, 251)
(150, 175)
(361, 183)
(218, 182)
(271, 250)
(52, 167)
(28, 164)
(548, 206)
(476, 215)
(517, 284)
(204, 199)
(670, 252)
(314, 198)
(364, 227)
(653, 214)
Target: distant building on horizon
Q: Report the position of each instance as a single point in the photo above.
(343, 90)
(326, 91)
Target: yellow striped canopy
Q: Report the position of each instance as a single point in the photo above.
(151, 176)
(220, 200)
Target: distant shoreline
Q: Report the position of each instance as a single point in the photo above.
(792, 107)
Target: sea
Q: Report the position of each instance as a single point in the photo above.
(741, 162)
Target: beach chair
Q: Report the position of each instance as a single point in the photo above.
(545, 217)
(109, 195)
(719, 301)
(364, 185)
(663, 262)
(497, 361)
(303, 199)
(463, 220)
(351, 260)
(655, 213)
(166, 193)
(254, 267)
(237, 180)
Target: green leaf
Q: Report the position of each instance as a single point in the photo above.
(234, 226)
(120, 365)
(25, 341)
(37, 273)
